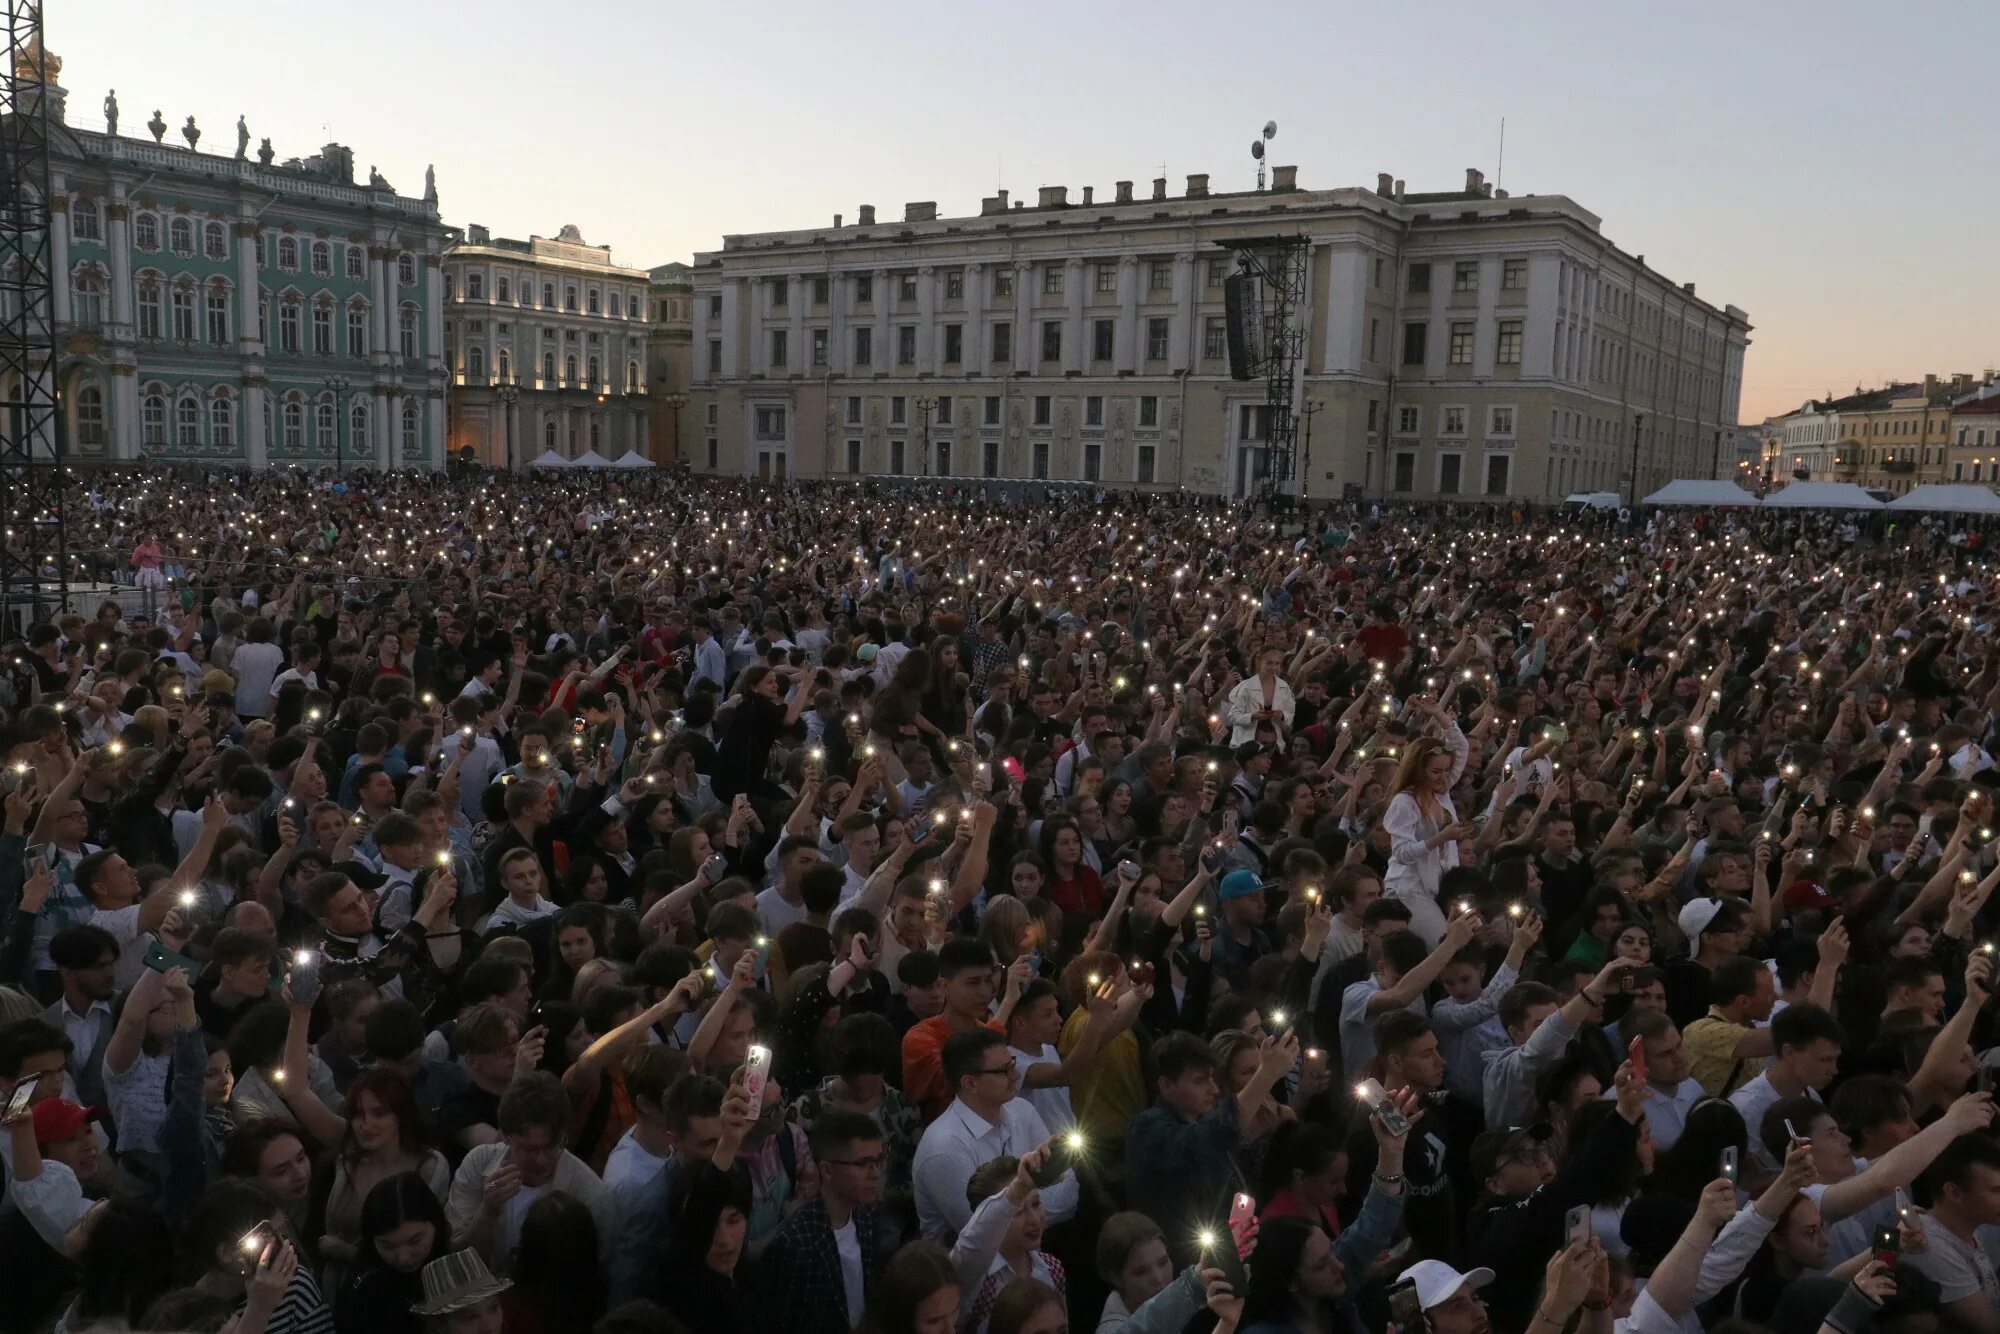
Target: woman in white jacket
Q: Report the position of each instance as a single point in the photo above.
(1263, 696)
(1423, 825)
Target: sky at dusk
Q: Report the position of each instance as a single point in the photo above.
(1827, 165)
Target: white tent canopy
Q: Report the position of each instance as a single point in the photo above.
(1822, 496)
(632, 459)
(550, 460)
(1947, 498)
(1695, 491)
(590, 458)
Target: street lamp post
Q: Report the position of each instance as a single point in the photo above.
(673, 402)
(1311, 410)
(1638, 420)
(924, 405)
(338, 385)
(509, 393)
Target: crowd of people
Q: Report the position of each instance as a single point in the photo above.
(664, 906)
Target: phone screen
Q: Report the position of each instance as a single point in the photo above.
(24, 1094)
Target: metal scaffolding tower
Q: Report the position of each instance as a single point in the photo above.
(33, 557)
(1279, 264)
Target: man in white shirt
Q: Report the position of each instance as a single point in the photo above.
(823, 1262)
(1805, 1042)
(782, 904)
(1964, 1187)
(641, 1164)
(304, 670)
(1670, 1092)
(86, 957)
(985, 1121)
(498, 1183)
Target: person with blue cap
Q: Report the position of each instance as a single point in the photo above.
(1242, 940)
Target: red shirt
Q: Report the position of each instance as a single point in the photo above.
(1083, 892)
(1384, 643)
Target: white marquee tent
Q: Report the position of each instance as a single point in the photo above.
(590, 458)
(1694, 491)
(632, 459)
(1822, 496)
(1947, 498)
(550, 460)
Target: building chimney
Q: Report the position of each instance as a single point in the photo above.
(1124, 192)
(1284, 178)
(1688, 288)
(1159, 187)
(1053, 196)
(476, 234)
(1197, 185)
(1487, 189)
(991, 204)
(865, 216)
(1499, 194)
(1088, 192)
(1474, 178)
(1003, 201)
(1385, 185)
(925, 211)
(1020, 204)
(1399, 192)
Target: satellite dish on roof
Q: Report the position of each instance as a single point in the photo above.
(1257, 149)
(1270, 129)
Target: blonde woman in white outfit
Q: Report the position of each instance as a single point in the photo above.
(1264, 696)
(1423, 826)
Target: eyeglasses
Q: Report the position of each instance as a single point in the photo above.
(872, 1164)
(1532, 1155)
(1007, 1070)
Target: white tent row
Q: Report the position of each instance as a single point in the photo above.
(1948, 498)
(550, 460)
(1691, 491)
(1822, 496)
(592, 459)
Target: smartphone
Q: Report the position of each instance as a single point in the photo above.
(1063, 1156)
(1730, 1167)
(305, 976)
(715, 868)
(1141, 973)
(23, 1095)
(250, 1250)
(756, 1070)
(1279, 1024)
(1242, 1212)
(1576, 1225)
(1406, 1308)
(1212, 859)
(159, 958)
(1219, 1251)
(1888, 1243)
(1636, 1054)
(1377, 1101)
(1640, 978)
(1128, 870)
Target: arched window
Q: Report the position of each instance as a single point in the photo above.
(632, 306)
(146, 231)
(548, 366)
(322, 258)
(325, 422)
(357, 429)
(569, 297)
(323, 326)
(187, 423)
(150, 312)
(218, 314)
(592, 373)
(357, 262)
(288, 253)
(506, 367)
(549, 295)
(593, 301)
(214, 240)
(87, 299)
(412, 436)
(569, 370)
(153, 418)
(295, 426)
(409, 332)
(180, 235)
(548, 435)
(406, 270)
(631, 377)
(357, 329)
(475, 287)
(183, 306)
(288, 324)
(475, 363)
(500, 288)
(222, 421)
(90, 417)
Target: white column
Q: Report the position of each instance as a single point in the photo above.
(1183, 316)
(927, 336)
(434, 414)
(1026, 336)
(797, 360)
(839, 357)
(432, 295)
(59, 251)
(389, 424)
(250, 424)
(1125, 343)
(976, 358)
(121, 264)
(249, 293)
(125, 421)
(1073, 349)
(884, 353)
(732, 329)
(698, 362)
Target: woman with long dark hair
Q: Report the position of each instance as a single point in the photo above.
(917, 1293)
(759, 716)
(558, 1283)
(124, 1260)
(381, 1137)
(403, 1228)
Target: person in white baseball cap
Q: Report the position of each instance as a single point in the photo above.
(1450, 1299)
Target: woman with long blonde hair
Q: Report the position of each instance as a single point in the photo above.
(1423, 826)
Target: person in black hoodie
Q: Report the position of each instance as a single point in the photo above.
(1518, 1221)
(704, 1278)
(403, 1228)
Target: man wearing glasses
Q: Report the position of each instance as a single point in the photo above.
(985, 1121)
(822, 1264)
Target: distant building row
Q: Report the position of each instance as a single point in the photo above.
(1945, 429)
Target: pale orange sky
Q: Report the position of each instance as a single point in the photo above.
(1824, 164)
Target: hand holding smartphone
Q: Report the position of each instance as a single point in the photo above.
(1379, 1104)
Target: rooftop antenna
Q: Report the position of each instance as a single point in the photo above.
(1257, 149)
(1500, 169)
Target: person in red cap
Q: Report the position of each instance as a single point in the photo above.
(57, 1164)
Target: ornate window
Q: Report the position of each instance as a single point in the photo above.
(214, 240)
(569, 370)
(288, 324)
(218, 314)
(86, 223)
(288, 253)
(323, 326)
(631, 377)
(151, 313)
(153, 418)
(475, 363)
(146, 231)
(295, 426)
(409, 332)
(322, 258)
(592, 374)
(87, 298)
(406, 269)
(187, 423)
(222, 422)
(180, 235)
(183, 304)
(357, 428)
(357, 263)
(412, 435)
(90, 417)
(357, 330)
(325, 422)
(475, 287)
(548, 365)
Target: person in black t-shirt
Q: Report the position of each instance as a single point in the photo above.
(494, 1051)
